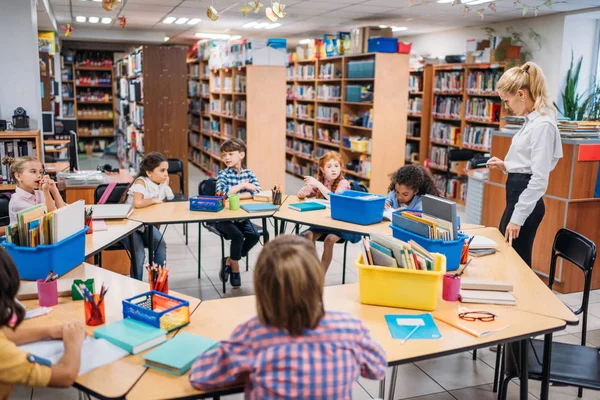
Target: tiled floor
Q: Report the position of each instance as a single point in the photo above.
(452, 377)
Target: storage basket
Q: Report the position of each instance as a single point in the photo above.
(361, 146)
(357, 207)
(158, 309)
(207, 203)
(383, 45)
(35, 263)
(399, 287)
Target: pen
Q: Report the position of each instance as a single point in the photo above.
(402, 341)
(470, 240)
(459, 274)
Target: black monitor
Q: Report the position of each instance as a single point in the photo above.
(73, 153)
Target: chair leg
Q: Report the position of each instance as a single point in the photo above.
(223, 256)
(497, 369)
(199, 248)
(393, 382)
(502, 366)
(246, 263)
(297, 229)
(185, 228)
(475, 355)
(504, 387)
(344, 264)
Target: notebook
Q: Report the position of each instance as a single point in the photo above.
(252, 208)
(131, 335)
(307, 206)
(99, 225)
(481, 284)
(94, 353)
(111, 211)
(68, 220)
(382, 260)
(482, 242)
(487, 297)
(439, 207)
(410, 225)
(177, 355)
(401, 325)
(266, 195)
(475, 328)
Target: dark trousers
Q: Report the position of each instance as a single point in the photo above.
(523, 245)
(243, 236)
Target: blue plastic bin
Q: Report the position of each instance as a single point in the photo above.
(35, 263)
(383, 45)
(207, 203)
(357, 207)
(452, 249)
(157, 309)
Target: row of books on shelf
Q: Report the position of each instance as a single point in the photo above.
(301, 147)
(483, 81)
(362, 69)
(484, 110)
(361, 165)
(454, 188)
(95, 79)
(91, 112)
(415, 105)
(300, 169)
(136, 114)
(448, 81)
(328, 114)
(439, 156)
(98, 96)
(415, 83)
(304, 72)
(136, 89)
(96, 129)
(198, 89)
(330, 71)
(473, 136)
(300, 129)
(194, 70)
(478, 137)
(411, 148)
(68, 110)
(240, 84)
(304, 92)
(444, 133)
(134, 63)
(15, 148)
(364, 119)
(413, 128)
(329, 92)
(447, 107)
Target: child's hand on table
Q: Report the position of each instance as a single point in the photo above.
(251, 187)
(73, 333)
(156, 201)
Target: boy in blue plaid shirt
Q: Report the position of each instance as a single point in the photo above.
(236, 180)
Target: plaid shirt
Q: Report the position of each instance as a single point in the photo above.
(323, 363)
(229, 177)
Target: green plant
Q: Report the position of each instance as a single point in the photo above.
(593, 109)
(574, 104)
(517, 39)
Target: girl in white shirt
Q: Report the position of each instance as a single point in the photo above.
(533, 154)
(151, 186)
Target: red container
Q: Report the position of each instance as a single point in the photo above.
(450, 287)
(404, 48)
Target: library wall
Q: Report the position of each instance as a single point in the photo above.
(580, 36)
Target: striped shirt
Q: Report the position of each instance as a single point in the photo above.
(229, 177)
(323, 363)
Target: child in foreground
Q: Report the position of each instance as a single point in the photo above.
(151, 186)
(293, 349)
(408, 184)
(330, 179)
(29, 175)
(236, 180)
(19, 367)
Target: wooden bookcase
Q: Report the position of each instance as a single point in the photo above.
(11, 138)
(419, 114)
(152, 111)
(243, 102)
(453, 125)
(310, 97)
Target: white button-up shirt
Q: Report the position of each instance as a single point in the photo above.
(535, 150)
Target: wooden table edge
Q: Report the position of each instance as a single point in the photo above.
(99, 250)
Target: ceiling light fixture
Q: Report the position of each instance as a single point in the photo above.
(169, 20)
(193, 21)
(249, 24)
(166, 39)
(273, 26)
(474, 2)
(261, 25)
(97, 1)
(80, 18)
(182, 21)
(235, 37)
(304, 41)
(93, 20)
(383, 26)
(399, 28)
(212, 35)
(106, 20)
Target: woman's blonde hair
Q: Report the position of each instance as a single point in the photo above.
(18, 165)
(288, 282)
(530, 77)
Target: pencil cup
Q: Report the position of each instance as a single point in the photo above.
(47, 293)
(90, 224)
(234, 202)
(450, 288)
(94, 312)
(162, 286)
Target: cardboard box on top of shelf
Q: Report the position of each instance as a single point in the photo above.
(360, 37)
(475, 51)
(301, 52)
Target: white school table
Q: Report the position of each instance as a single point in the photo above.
(114, 380)
(538, 311)
(117, 229)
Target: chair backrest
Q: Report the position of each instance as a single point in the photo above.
(359, 187)
(4, 201)
(581, 252)
(115, 195)
(208, 187)
(176, 168)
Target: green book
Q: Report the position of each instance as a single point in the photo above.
(131, 335)
(177, 355)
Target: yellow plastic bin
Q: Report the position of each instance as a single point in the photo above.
(361, 146)
(399, 287)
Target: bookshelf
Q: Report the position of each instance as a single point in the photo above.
(465, 110)
(245, 102)
(18, 144)
(151, 109)
(329, 106)
(419, 114)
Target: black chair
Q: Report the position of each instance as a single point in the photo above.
(176, 168)
(208, 188)
(4, 214)
(572, 365)
(114, 198)
(455, 155)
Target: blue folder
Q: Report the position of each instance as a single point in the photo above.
(260, 207)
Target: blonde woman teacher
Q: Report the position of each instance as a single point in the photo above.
(533, 154)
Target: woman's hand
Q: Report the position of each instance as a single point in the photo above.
(496, 163)
(310, 181)
(512, 232)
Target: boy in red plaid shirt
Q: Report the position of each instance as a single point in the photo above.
(293, 349)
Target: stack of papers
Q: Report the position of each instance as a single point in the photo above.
(579, 129)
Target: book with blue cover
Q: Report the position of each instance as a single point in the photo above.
(422, 326)
(178, 354)
(262, 207)
(307, 206)
(131, 335)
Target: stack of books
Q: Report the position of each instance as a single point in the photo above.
(579, 129)
(437, 221)
(385, 251)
